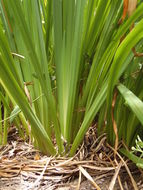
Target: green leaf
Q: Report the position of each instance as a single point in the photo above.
(135, 104)
(138, 161)
(14, 113)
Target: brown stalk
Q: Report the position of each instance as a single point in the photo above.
(27, 91)
(114, 122)
(129, 6)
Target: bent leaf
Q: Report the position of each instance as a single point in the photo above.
(135, 104)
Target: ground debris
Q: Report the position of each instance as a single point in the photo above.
(24, 168)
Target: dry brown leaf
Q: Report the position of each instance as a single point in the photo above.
(86, 174)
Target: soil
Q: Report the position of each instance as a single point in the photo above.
(21, 183)
(93, 167)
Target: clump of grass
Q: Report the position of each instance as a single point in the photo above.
(60, 63)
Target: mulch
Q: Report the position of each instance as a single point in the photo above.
(94, 166)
